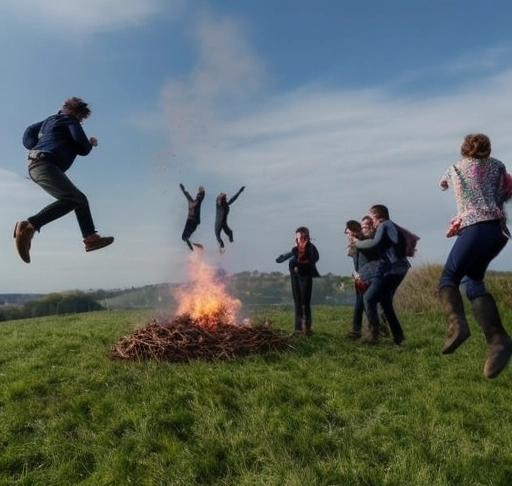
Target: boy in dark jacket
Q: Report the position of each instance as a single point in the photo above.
(53, 145)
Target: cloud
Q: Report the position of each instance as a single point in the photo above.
(319, 155)
(313, 155)
(78, 17)
(485, 60)
(227, 71)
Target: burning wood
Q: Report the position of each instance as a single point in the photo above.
(205, 326)
(184, 339)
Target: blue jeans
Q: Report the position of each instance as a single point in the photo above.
(382, 290)
(68, 198)
(357, 318)
(302, 288)
(474, 249)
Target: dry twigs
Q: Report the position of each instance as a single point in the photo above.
(184, 339)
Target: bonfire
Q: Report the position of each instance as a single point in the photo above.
(205, 325)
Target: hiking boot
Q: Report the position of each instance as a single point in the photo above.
(95, 242)
(23, 234)
(373, 336)
(398, 340)
(453, 307)
(354, 335)
(499, 344)
(384, 331)
(199, 246)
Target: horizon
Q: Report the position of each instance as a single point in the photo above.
(321, 110)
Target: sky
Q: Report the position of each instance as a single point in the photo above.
(321, 109)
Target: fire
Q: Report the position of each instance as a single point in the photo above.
(204, 298)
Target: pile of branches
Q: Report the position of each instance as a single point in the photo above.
(184, 339)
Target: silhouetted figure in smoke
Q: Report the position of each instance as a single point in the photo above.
(221, 216)
(193, 216)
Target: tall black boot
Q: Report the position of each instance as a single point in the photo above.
(499, 344)
(453, 307)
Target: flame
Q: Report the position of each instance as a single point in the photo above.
(204, 298)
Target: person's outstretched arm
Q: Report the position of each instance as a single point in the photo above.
(235, 197)
(187, 194)
(284, 256)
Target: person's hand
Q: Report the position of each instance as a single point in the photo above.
(182, 187)
(242, 188)
(93, 141)
(443, 185)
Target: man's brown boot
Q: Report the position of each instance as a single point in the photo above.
(23, 234)
(95, 242)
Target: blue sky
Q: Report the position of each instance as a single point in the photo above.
(320, 109)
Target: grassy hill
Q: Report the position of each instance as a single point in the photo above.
(327, 412)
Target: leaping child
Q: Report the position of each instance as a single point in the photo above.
(221, 216)
(193, 216)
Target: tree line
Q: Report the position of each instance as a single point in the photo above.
(250, 287)
(51, 304)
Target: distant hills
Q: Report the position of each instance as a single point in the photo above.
(252, 288)
(18, 299)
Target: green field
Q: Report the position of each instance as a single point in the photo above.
(329, 412)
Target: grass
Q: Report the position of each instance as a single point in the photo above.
(329, 412)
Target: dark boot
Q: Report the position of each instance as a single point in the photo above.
(453, 307)
(499, 344)
(95, 242)
(187, 241)
(297, 328)
(307, 327)
(373, 335)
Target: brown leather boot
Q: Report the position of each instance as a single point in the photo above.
(499, 344)
(453, 307)
(23, 234)
(95, 242)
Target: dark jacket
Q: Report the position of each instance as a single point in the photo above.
(387, 242)
(222, 208)
(60, 135)
(194, 205)
(306, 267)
